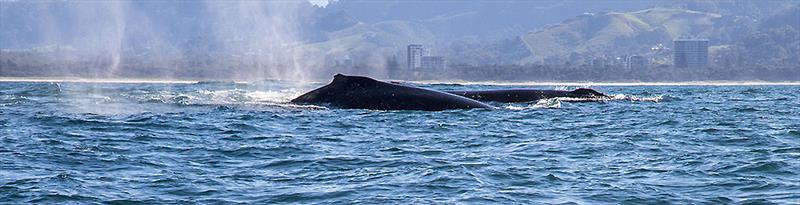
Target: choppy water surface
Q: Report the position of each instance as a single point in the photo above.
(243, 143)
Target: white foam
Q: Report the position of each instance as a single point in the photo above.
(593, 99)
(555, 103)
(92, 80)
(273, 96)
(657, 98)
(551, 103)
(590, 84)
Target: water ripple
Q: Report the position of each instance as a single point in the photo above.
(223, 142)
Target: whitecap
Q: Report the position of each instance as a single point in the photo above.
(657, 98)
(550, 103)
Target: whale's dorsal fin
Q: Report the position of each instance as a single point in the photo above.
(339, 76)
(340, 79)
(587, 92)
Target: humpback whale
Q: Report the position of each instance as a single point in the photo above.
(525, 95)
(358, 92)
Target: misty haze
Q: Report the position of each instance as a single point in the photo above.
(399, 101)
(627, 41)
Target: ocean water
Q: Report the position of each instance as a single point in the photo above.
(225, 142)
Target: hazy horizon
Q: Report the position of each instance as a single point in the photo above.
(305, 40)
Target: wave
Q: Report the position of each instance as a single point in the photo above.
(275, 96)
(92, 80)
(550, 103)
(657, 98)
(586, 84)
(215, 97)
(39, 90)
(279, 99)
(556, 103)
(215, 82)
(429, 82)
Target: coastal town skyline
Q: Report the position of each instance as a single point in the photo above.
(614, 41)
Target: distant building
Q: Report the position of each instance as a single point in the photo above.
(619, 62)
(598, 63)
(690, 53)
(415, 53)
(636, 62)
(431, 63)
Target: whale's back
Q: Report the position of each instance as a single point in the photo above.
(357, 92)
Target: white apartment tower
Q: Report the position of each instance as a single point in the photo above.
(690, 53)
(415, 53)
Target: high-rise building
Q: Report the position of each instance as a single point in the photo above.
(432, 63)
(636, 62)
(598, 63)
(415, 53)
(690, 53)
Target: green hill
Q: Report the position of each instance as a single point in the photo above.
(367, 45)
(618, 33)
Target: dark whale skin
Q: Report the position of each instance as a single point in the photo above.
(358, 92)
(525, 95)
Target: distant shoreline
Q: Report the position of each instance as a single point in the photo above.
(92, 80)
(462, 82)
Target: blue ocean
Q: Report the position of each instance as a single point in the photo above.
(231, 143)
